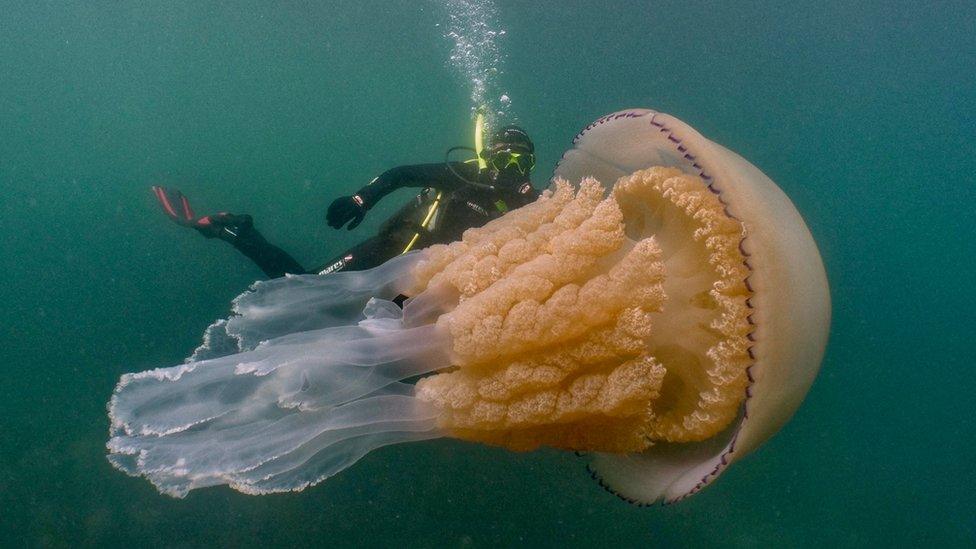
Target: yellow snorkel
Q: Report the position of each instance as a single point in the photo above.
(479, 138)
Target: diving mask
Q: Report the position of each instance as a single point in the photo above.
(505, 158)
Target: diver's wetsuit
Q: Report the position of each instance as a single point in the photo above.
(461, 206)
(240, 232)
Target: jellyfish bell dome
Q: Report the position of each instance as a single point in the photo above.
(662, 308)
(788, 301)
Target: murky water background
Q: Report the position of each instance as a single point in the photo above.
(862, 113)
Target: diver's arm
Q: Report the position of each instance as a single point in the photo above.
(438, 175)
(352, 209)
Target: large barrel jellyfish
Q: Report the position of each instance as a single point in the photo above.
(662, 309)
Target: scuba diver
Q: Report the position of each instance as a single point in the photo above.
(456, 196)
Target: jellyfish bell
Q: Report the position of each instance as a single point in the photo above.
(789, 302)
(643, 310)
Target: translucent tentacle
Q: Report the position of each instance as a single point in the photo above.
(287, 411)
(301, 303)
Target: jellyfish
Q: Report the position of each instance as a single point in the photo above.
(661, 310)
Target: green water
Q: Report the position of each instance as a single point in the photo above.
(863, 114)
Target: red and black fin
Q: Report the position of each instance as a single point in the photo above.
(175, 205)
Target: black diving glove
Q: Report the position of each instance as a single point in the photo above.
(344, 209)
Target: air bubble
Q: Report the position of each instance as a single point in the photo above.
(476, 55)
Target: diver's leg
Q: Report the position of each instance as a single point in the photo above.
(238, 230)
(365, 255)
(269, 258)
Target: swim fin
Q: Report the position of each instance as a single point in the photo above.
(226, 226)
(175, 205)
